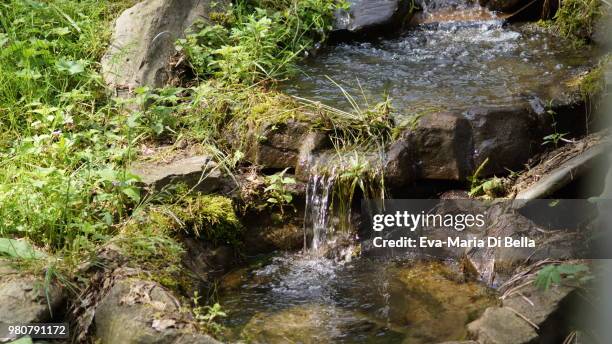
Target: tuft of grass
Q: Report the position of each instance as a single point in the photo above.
(576, 19)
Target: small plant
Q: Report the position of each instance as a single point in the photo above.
(489, 188)
(557, 274)
(554, 139)
(207, 316)
(277, 192)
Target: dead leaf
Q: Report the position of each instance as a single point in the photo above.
(162, 324)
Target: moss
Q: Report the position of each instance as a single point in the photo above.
(147, 241)
(592, 83)
(210, 217)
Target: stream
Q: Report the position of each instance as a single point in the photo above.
(456, 59)
(460, 58)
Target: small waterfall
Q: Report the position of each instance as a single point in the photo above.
(317, 216)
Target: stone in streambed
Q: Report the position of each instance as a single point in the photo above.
(306, 324)
(284, 145)
(439, 147)
(450, 146)
(144, 40)
(507, 136)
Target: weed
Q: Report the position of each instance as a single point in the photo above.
(277, 192)
(557, 274)
(261, 39)
(207, 316)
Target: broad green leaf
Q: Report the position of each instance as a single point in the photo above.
(19, 249)
(70, 67)
(132, 193)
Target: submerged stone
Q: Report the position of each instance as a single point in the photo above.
(311, 323)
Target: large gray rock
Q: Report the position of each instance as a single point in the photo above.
(450, 146)
(372, 16)
(143, 40)
(23, 299)
(136, 311)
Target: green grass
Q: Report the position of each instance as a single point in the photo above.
(67, 145)
(258, 40)
(576, 19)
(64, 145)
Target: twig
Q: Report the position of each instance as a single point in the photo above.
(524, 318)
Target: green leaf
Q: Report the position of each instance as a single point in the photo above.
(19, 249)
(132, 193)
(70, 67)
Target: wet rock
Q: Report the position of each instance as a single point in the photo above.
(195, 171)
(137, 311)
(438, 148)
(500, 325)
(436, 302)
(143, 40)
(268, 238)
(23, 299)
(507, 136)
(306, 324)
(367, 17)
(312, 143)
(400, 168)
(449, 146)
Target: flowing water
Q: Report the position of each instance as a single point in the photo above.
(307, 298)
(300, 298)
(459, 58)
